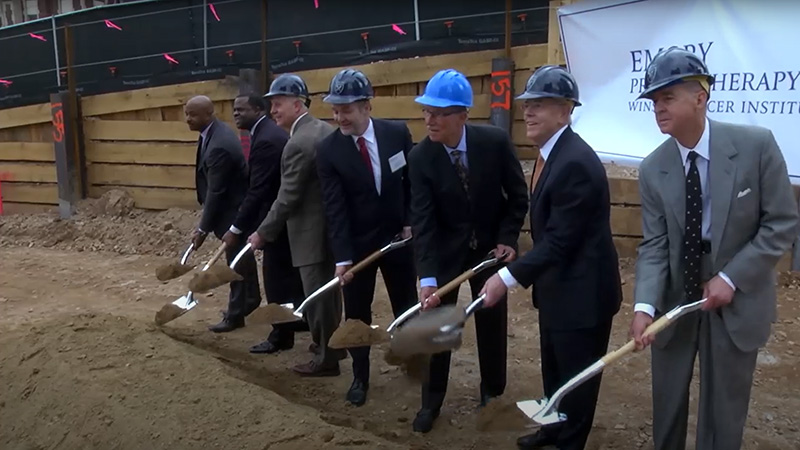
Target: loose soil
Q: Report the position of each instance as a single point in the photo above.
(172, 271)
(84, 366)
(355, 333)
(211, 278)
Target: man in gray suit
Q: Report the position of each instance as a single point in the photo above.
(299, 207)
(717, 213)
(221, 183)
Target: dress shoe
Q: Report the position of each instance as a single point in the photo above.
(423, 423)
(485, 399)
(535, 441)
(226, 325)
(270, 347)
(357, 395)
(313, 369)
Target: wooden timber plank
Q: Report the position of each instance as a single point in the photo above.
(624, 191)
(626, 220)
(626, 246)
(141, 153)
(402, 107)
(402, 71)
(27, 151)
(28, 172)
(153, 198)
(156, 97)
(44, 193)
(138, 130)
(140, 175)
(26, 115)
(13, 208)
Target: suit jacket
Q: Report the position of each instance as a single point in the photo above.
(264, 166)
(220, 178)
(573, 266)
(753, 223)
(359, 220)
(443, 217)
(299, 203)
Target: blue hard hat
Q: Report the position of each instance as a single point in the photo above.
(349, 86)
(447, 88)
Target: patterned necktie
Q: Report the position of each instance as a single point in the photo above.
(362, 148)
(463, 175)
(693, 233)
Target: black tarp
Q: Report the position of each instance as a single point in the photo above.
(107, 59)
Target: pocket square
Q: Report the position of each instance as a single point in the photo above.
(743, 193)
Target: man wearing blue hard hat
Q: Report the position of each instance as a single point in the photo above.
(365, 188)
(573, 267)
(468, 198)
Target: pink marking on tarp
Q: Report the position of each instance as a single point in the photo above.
(36, 36)
(316, 4)
(110, 24)
(6, 82)
(214, 11)
(170, 59)
(397, 28)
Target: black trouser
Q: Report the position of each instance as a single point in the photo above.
(282, 284)
(397, 269)
(245, 295)
(491, 326)
(564, 355)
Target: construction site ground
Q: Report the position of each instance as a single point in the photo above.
(84, 367)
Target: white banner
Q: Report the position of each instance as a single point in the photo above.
(753, 49)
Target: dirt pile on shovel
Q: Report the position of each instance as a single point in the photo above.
(212, 278)
(171, 271)
(355, 333)
(103, 382)
(168, 313)
(271, 313)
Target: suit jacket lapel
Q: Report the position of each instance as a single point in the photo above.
(675, 181)
(722, 174)
(474, 162)
(384, 151)
(548, 166)
(351, 155)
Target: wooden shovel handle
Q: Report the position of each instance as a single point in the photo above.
(215, 256)
(455, 283)
(654, 328)
(365, 262)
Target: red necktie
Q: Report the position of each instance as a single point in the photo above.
(362, 147)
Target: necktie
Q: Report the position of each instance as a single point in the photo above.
(362, 148)
(463, 175)
(537, 171)
(693, 236)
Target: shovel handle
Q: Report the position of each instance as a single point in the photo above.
(215, 256)
(365, 262)
(654, 328)
(454, 283)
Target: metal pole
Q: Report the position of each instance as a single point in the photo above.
(416, 17)
(205, 33)
(55, 51)
(508, 28)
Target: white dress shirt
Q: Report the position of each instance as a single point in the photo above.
(233, 229)
(702, 163)
(544, 151)
(462, 147)
(375, 162)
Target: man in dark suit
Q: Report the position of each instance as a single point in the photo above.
(365, 187)
(718, 212)
(282, 281)
(468, 197)
(221, 182)
(298, 208)
(573, 265)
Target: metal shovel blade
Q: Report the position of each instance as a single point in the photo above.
(424, 334)
(540, 412)
(172, 311)
(297, 314)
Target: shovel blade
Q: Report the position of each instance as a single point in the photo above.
(538, 411)
(175, 309)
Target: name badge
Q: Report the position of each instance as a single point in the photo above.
(397, 162)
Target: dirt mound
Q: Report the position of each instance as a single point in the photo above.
(109, 223)
(103, 382)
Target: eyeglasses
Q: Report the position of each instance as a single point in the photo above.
(428, 113)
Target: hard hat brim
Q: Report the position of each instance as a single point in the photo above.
(344, 99)
(535, 95)
(283, 94)
(671, 81)
(439, 102)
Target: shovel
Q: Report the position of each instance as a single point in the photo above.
(215, 277)
(545, 412)
(181, 306)
(297, 314)
(175, 270)
(354, 333)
